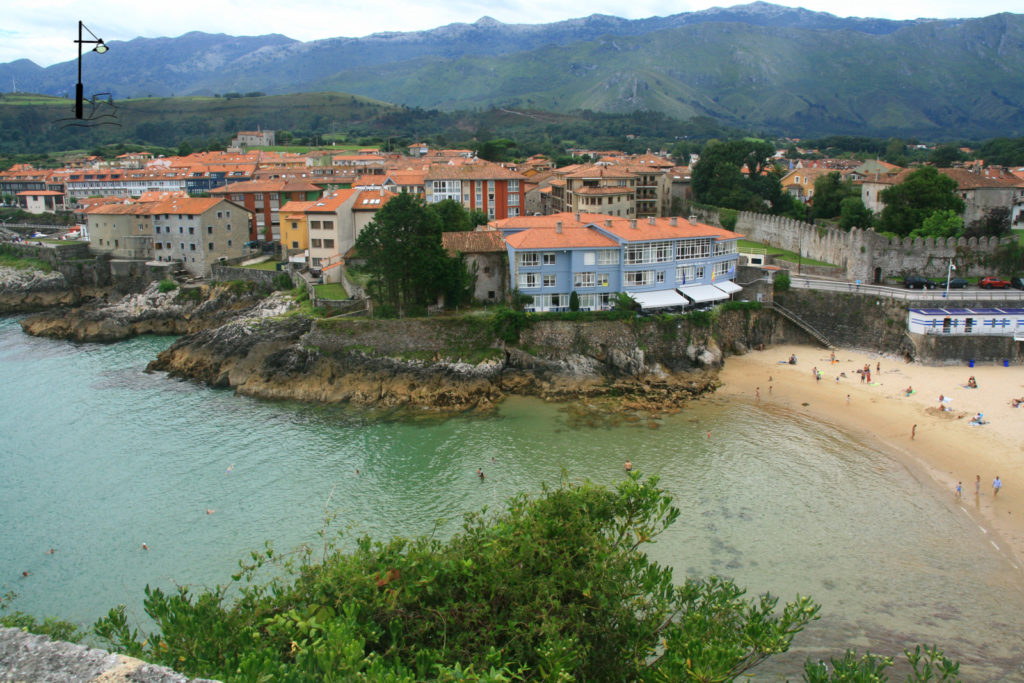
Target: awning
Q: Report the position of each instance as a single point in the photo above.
(662, 298)
(700, 294)
(728, 286)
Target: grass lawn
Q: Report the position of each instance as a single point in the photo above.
(332, 291)
(266, 265)
(782, 254)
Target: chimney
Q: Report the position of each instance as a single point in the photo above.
(558, 227)
(578, 217)
(693, 220)
(632, 223)
(674, 222)
(650, 220)
(607, 222)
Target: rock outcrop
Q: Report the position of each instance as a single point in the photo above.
(150, 312)
(272, 357)
(30, 657)
(25, 290)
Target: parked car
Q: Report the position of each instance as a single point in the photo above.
(990, 282)
(1017, 282)
(954, 283)
(917, 282)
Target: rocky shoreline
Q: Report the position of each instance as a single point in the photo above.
(24, 291)
(261, 346)
(150, 312)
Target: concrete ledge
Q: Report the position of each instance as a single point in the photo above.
(26, 657)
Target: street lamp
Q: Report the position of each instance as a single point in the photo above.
(100, 48)
(949, 273)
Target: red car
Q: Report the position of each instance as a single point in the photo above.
(990, 282)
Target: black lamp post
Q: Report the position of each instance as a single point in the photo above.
(100, 48)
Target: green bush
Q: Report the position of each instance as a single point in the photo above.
(506, 324)
(727, 218)
(282, 282)
(167, 286)
(51, 626)
(782, 282)
(192, 294)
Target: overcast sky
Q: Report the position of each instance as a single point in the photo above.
(43, 30)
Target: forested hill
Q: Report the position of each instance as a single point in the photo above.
(757, 66)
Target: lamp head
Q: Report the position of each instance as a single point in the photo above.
(101, 47)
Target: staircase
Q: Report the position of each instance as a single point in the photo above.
(796, 320)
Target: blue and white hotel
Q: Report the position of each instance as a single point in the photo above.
(660, 262)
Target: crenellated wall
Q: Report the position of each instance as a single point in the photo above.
(864, 254)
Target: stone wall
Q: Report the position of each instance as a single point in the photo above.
(402, 336)
(880, 324)
(227, 273)
(864, 254)
(28, 657)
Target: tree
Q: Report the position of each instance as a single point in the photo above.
(403, 252)
(574, 301)
(995, 223)
(943, 156)
(455, 217)
(853, 214)
(829, 192)
(924, 192)
(737, 175)
(940, 225)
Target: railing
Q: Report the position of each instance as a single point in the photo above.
(896, 293)
(799, 322)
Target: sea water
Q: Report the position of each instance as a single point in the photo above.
(97, 458)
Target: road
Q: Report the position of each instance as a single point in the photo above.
(1014, 297)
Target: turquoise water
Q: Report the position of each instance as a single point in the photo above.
(97, 457)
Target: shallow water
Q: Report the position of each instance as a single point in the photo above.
(97, 457)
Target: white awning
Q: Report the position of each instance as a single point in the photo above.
(728, 286)
(700, 294)
(662, 298)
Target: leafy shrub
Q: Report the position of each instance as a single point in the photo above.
(727, 218)
(282, 282)
(782, 282)
(506, 324)
(167, 286)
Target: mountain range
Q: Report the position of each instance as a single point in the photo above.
(760, 67)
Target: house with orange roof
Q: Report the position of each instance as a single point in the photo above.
(800, 182)
(40, 201)
(199, 231)
(294, 226)
(122, 230)
(410, 181)
(334, 222)
(478, 185)
(264, 199)
(662, 263)
(981, 189)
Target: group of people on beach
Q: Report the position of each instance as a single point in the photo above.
(997, 484)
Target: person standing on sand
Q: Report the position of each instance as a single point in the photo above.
(959, 490)
(757, 394)
(913, 432)
(996, 485)
(977, 485)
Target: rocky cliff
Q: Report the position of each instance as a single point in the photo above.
(150, 312)
(22, 291)
(411, 364)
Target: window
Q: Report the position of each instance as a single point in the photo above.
(639, 278)
(156, 229)
(328, 225)
(723, 269)
(602, 279)
(529, 280)
(209, 246)
(548, 258)
(295, 226)
(513, 189)
(584, 280)
(513, 211)
(608, 257)
(228, 227)
(648, 252)
(218, 214)
(229, 243)
(191, 246)
(181, 246)
(328, 244)
(315, 243)
(513, 199)
(209, 229)
(696, 248)
(295, 245)
(528, 259)
(728, 247)
(181, 230)
(660, 277)
(589, 258)
(314, 225)
(549, 280)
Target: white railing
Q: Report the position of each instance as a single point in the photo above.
(938, 295)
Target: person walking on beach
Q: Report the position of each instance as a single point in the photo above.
(913, 432)
(959, 490)
(757, 394)
(996, 485)
(977, 485)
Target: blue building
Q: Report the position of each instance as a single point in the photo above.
(663, 263)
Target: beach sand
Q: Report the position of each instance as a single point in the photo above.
(945, 445)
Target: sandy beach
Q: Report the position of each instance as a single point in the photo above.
(945, 444)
